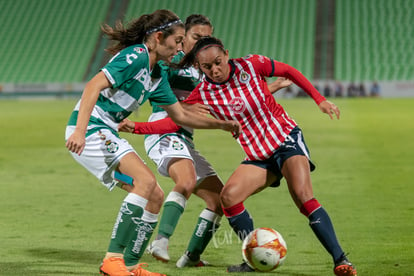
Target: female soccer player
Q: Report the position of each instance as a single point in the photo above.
(130, 78)
(235, 89)
(176, 157)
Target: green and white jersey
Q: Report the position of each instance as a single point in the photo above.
(132, 84)
(182, 79)
(182, 82)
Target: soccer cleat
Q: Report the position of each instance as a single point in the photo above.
(140, 271)
(185, 261)
(243, 267)
(159, 250)
(344, 268)
(114, 267)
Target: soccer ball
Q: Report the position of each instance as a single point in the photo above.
(264, 249)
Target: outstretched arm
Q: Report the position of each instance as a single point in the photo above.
(278, 84)
(183, 117)
(282, 69)
(287, 71)
(162, 126)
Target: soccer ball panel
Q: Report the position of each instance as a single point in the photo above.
(264, 249)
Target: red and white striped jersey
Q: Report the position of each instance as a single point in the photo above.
(245, 97)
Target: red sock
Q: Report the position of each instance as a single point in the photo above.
(234, 210)
(309, 207)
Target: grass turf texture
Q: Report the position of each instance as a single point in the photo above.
(56, 218)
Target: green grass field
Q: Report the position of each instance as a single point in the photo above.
(56, 218)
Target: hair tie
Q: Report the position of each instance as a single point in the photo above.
(162, 27)
(208, 46)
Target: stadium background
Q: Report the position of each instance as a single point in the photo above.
(53, 47)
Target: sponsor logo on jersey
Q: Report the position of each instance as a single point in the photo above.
(111, 147)
(262, 59)
(139, 50)
(101, 136)
(244, 77)
(237, 105)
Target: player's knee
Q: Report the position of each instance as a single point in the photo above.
(229, 196)
(157, 196)
(185, 187)
(145, 184)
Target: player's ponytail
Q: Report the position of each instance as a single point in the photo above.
(203, 43)
(138, 30)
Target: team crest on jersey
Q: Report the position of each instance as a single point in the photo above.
(244, 77)
(111, 147)
(237, 105)
(177, 145)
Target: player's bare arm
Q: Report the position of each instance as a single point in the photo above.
(278, 84)
(76, 142)
(196, 108)
(184, 117)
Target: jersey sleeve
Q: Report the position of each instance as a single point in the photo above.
(162, 126)
(125, 65)
(270, 68)
(287, 71)
(262, 65)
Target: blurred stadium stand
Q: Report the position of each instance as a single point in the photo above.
(49, 41)
(374, 40)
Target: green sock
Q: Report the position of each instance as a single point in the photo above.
(207, 224)
(140, 238)
(173, 208)
(132, 207)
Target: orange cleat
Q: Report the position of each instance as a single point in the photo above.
(345, 268)
(140, 271)
(114, 267)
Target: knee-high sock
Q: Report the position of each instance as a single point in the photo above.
(322, 226)
(173, 208)
(141, 236)
(207, 224)
(239, 219)
(132, 208)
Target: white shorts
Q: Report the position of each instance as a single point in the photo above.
(101, 155)
(162, 149)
